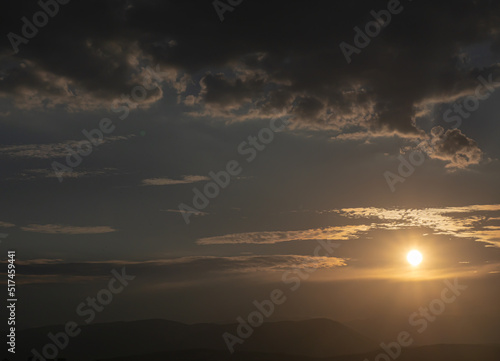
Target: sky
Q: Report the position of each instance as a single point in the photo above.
(211, 149)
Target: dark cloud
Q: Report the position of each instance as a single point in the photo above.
(270, 54)
(455, 148)
(308, 108)
(224, 94)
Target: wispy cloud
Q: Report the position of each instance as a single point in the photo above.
(479, 222)
(62, 229)
(29, 174)
(49, 150)
(6, 224)
(187, 179)
(464, 222)
(329, 233)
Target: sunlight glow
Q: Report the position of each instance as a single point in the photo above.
(414, 257)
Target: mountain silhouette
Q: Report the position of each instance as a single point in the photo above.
(314, 338)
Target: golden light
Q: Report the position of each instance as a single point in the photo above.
(414, 257)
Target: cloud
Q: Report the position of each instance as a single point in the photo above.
(184, 268)
(33, 80)
(228, 94)
(50, 150)
(6, 224)
(479, 222)
(198, 270)
(62, 229)
(300, 71)
(452, 147)
(462, 222)
(42, 151)
(29, 174)
(329, 233)
(187, 179)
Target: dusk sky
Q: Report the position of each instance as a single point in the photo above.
(317, 134)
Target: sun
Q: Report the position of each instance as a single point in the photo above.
(414, 257)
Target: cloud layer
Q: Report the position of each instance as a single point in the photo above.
(58, 271)
(479, 222)
(234, 73)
